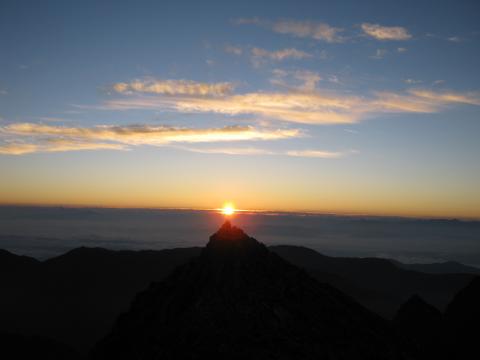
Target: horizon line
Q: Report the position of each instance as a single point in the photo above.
(249, 211)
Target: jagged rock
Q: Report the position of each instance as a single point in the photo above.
(238, 300)
(23, 347)
(462, 319)
(422, 324)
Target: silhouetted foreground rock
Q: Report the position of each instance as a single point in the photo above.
(452, 336)
(422, 324)
(21, 347)
(238, 300)
(462, 321)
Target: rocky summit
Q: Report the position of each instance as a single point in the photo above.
(238, 300)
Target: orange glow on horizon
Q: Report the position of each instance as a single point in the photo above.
(228, 209)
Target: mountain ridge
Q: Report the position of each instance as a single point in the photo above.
(239, 300)
(89, 287)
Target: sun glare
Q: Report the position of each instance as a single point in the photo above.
(228, 209)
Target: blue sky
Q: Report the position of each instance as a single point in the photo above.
(347, 106)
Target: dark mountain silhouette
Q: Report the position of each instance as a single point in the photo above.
(10, 262)
(462, 319)
(448, 267)
(76, 297)
(376, 283)
(422, 324)
(238, 300)
(21, 347)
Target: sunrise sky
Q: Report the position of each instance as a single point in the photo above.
(361, 107)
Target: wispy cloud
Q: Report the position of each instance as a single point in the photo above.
(308, 79)
(316, 154)
(235, 50)
(379, 54)
(307, 106)
(260, 56)
(298, 28)
(24, 138)
(379, 32)
(296, 106)
(308, 29)
(260, 151)
(279, 55)
(456, 39)
(173, 87)
(230, 150)
(412, 81)
(55, 145)
(447, 97)
(247, 21)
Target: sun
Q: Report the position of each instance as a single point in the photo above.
(228, 209)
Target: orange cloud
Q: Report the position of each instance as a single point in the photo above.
(385, 32)
(55, 145)
(173, 87)
(316, 154)
(28, 137)
(304, 104)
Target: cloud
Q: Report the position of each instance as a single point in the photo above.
(379, 54)
(280, 55)
(308, 29)
(298, 28)
(235, 50)
(412, 81)
(28, 137)
(316, 154)
(307, 106)
(447, 97)
(385, 32)
(260, 151)
(247, 21)
(455, 39)
(299, 107)
(401, 49)
(55, 145)
(173, 87)
(230, 151)
(308, 79)
(17, 148)
(150, 135)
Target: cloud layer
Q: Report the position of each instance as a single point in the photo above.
(21, 138)
(304, 104)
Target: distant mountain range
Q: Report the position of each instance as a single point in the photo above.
(76, 297)
(448, 267)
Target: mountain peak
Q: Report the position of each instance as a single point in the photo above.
(238, 300)
(233, 241)
(229, 232)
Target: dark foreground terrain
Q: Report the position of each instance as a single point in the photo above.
(76, 298)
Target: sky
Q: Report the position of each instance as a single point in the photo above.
(349, 107)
